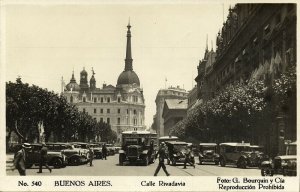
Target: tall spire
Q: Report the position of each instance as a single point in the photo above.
(206, 42)
(128, 59)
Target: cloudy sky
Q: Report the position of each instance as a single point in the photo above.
(45, 42)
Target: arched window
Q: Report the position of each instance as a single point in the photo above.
(71, 99)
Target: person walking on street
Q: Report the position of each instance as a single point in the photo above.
(188, 157)
(162, 155)
(20, 159)
(104, 151)
(43, 158)
(91, 156)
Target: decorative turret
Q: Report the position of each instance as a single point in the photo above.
(72, 86)
(83, 81)
(93, 81)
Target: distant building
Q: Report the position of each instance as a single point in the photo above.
(174, 111)
(122, 106)
(162, 95)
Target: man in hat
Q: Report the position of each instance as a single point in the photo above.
(162, 155)
(20, 159)
(43, 158)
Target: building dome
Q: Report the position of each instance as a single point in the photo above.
(73, 85)
(128, 77)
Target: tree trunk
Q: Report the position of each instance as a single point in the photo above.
(18, 133)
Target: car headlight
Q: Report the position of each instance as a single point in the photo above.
(283, 163)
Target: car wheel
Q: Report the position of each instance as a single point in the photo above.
(173, 162)
(146, 161)
(56, 163)
(242, 163)
(121, 159)
(75, 161)
(266, 172)
(222, 162)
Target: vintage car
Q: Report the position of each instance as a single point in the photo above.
(136, 147)
(285, 165)
(208, 153)
(97, 149)
(73, 155)
(110, 149)
(55, 159)
(177, 152)
(256, 156)
(234, 153)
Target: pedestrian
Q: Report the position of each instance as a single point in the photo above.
(104, 151)
(20, 159)
(162, 155)
(43, 158)
(188, 156)
(91, 156)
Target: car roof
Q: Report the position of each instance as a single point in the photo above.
(208, 144)
(137, 132)
(235, 144)
(256, 146)
(286, 157)
(177, 142)
(168, 137)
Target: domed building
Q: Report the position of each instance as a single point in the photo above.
(122, 106)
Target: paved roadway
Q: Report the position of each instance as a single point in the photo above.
(110, 167)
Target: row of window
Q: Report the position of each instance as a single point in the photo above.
(108, 111)
(119, 120)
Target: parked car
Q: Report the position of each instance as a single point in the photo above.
(283, 165)
(110, 149)
(177, 152)
(234, 153)
(97, 149)
(256, 156)
(73, 155)
(208, 153)
(55, 159)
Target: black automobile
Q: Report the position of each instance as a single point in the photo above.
(97, 149)
(234, 153)
(285, 165)
(177, 152)
(73, 155)
(54, 158)
(208, 153)
(136, 147)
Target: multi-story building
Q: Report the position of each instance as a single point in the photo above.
(174, 110)
(122, 106)
(162, 95)
(256, 38)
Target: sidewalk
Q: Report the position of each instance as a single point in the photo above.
(9, 161)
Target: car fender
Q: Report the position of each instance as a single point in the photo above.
(265, 164)
(145, 152)
(121, 151)
(74, 155)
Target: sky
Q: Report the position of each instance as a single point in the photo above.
(45, 42)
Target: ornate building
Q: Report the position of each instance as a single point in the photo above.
(122, 106)
(257, 41)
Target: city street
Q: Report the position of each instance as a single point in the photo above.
(110, 167)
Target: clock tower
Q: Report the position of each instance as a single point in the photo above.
(84, 87)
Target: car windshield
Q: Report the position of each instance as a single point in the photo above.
(205, 148)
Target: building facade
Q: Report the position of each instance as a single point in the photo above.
(255, 40)
(174, 110)
(192, 99)
(162, 95)
(122, 106)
